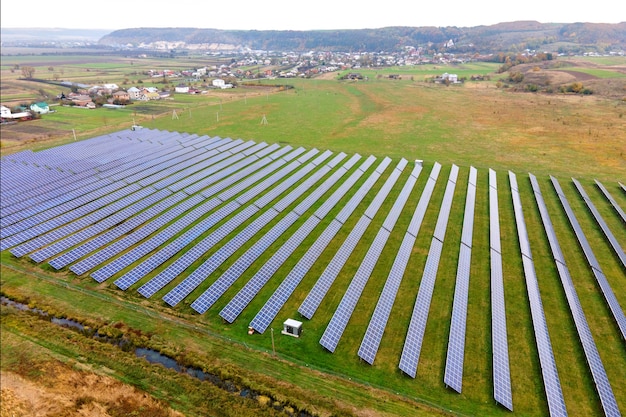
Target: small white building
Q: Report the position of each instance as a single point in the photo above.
(453, 78)
(219, 83)
(182, 88)
(292, 327)
(5, 113)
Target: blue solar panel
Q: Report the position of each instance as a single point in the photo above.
(453, 376)
(374, 333)
(600, 220)
(607, 398)
(501, 370)
(415, 334)
(612, 200)
(323, 284)
(552, 384)
(339, 321)
(607, 291)
(260, 278)
(269, 311)
(159, 221)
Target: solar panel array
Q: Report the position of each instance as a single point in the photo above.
(600, 220)
(499, 344)
(417, 327)
(611, 199)
(346, 307)
(269, 311)
(378, 322)
(453, 376)
(596, 269)
(551, 382)
(323, 284)
(188, 216)
(601, 380)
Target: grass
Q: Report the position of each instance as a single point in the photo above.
(475, 124)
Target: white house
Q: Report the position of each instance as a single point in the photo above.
(135, 93)
(453, 78)
(219, 83)
(182, 88)
(40, 107)
(5, 113)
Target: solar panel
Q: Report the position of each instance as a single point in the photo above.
(348, 303)
(453, 376)
(116, 231)
(269, 311)
(501, 370)
(323, 284)
(260, 278)
(613, 202)
(134, 237)
(415, 334)
(603, 387)
(169, 250)
(607, 291)
(376, 327)
(600, 220)
(551, 382)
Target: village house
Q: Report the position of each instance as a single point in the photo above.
(5, 114)
(40, 107)
(82, 100)
(219, 83)
(121, 97)
(182, 88)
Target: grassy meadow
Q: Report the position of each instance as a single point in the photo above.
(474, 124)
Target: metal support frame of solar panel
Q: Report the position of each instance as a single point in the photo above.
(551, 382)
(180, 242)
(612, 200)
(199, 249)
(605, 287)
(236, 305)
(417, 326)
(500, 358)
(270, 309)
(330, 273)
(146, 230)
(603, 387)
(160, 239)
(453, 375)
(217, 289)
(602, 223)
(154, 261)
(378, 322)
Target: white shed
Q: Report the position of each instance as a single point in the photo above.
(292, 328)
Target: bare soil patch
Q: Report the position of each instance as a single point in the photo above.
(62, 391)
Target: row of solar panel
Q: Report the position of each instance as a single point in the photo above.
(94, 226)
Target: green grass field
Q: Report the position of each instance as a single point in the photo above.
(475, 124)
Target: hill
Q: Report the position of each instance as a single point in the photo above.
(511, 36)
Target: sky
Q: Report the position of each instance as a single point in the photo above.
(297, 14)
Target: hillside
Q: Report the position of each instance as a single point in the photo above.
(511, 36)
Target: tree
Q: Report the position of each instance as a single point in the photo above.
(28, 72)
